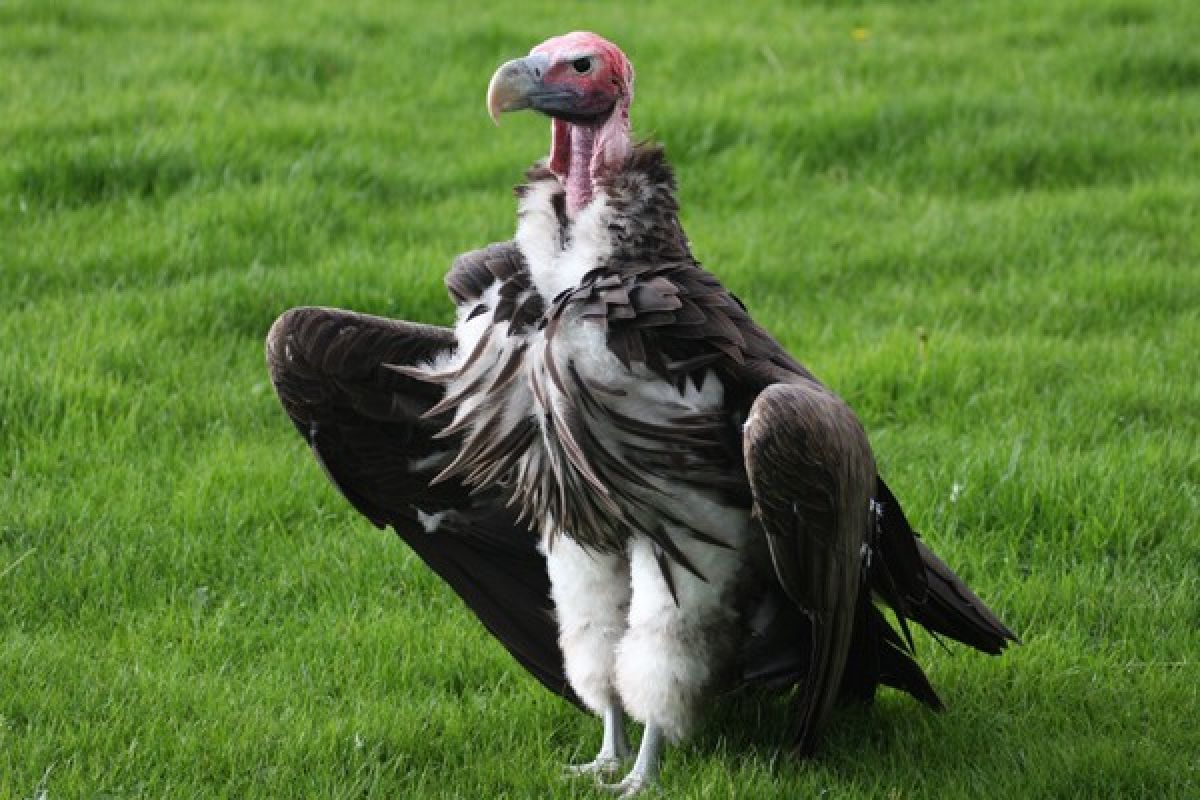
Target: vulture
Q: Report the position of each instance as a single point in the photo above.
(638, 492)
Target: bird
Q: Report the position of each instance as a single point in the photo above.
(635, 488)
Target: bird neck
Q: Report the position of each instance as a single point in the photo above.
(583, 154)
(578, 181)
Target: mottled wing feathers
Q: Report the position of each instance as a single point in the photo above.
(365, 425)
(501, 265)
(812, 476)
(658, 306)
(362, 419)
(675, 319)
(474, 271)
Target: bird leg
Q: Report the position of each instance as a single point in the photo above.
(614, 747)
(645, 768)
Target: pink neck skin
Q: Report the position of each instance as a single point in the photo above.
(579, 172)
(580, 155)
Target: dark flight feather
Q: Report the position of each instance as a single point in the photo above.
(812, 475)
(327, 367)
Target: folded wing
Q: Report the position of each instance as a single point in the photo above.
(839, 541)
(812, 476)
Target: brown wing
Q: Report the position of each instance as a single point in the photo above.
(474, 271)
(799, 437)
(812, 476)
(663, 310)
(364, 424)
(680, 322)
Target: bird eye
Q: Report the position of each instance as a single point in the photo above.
(582, 65)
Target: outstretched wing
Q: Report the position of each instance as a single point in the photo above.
(812, 476)
(365, 425)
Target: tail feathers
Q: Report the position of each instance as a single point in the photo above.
(953, 610)
(779, 653)
(898, 573)
(918, 586)
(898, 669)
(878, 655)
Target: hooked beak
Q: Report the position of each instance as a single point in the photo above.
(521, 84)
(516, 85)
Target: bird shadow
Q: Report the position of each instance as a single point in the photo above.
(759, 725)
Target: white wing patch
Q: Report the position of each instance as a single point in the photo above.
(430, 522)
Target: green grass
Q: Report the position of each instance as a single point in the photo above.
(977, 221)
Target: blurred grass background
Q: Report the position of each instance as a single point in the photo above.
(977, 221)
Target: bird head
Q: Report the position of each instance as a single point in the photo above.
(585, 84)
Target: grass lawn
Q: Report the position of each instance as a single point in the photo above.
(977, 221)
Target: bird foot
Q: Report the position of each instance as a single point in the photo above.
(631, 785)
(614, 750)
(599, 766)
(645, 769)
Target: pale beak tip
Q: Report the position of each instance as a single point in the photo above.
(495, 102)
(508, 89)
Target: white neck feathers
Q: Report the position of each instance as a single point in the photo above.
(559, 257)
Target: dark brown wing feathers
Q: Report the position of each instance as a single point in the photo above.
(366, 425)
(812, 476)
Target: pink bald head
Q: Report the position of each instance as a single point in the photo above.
(608, 82)
(585, 83)
(608, 74)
